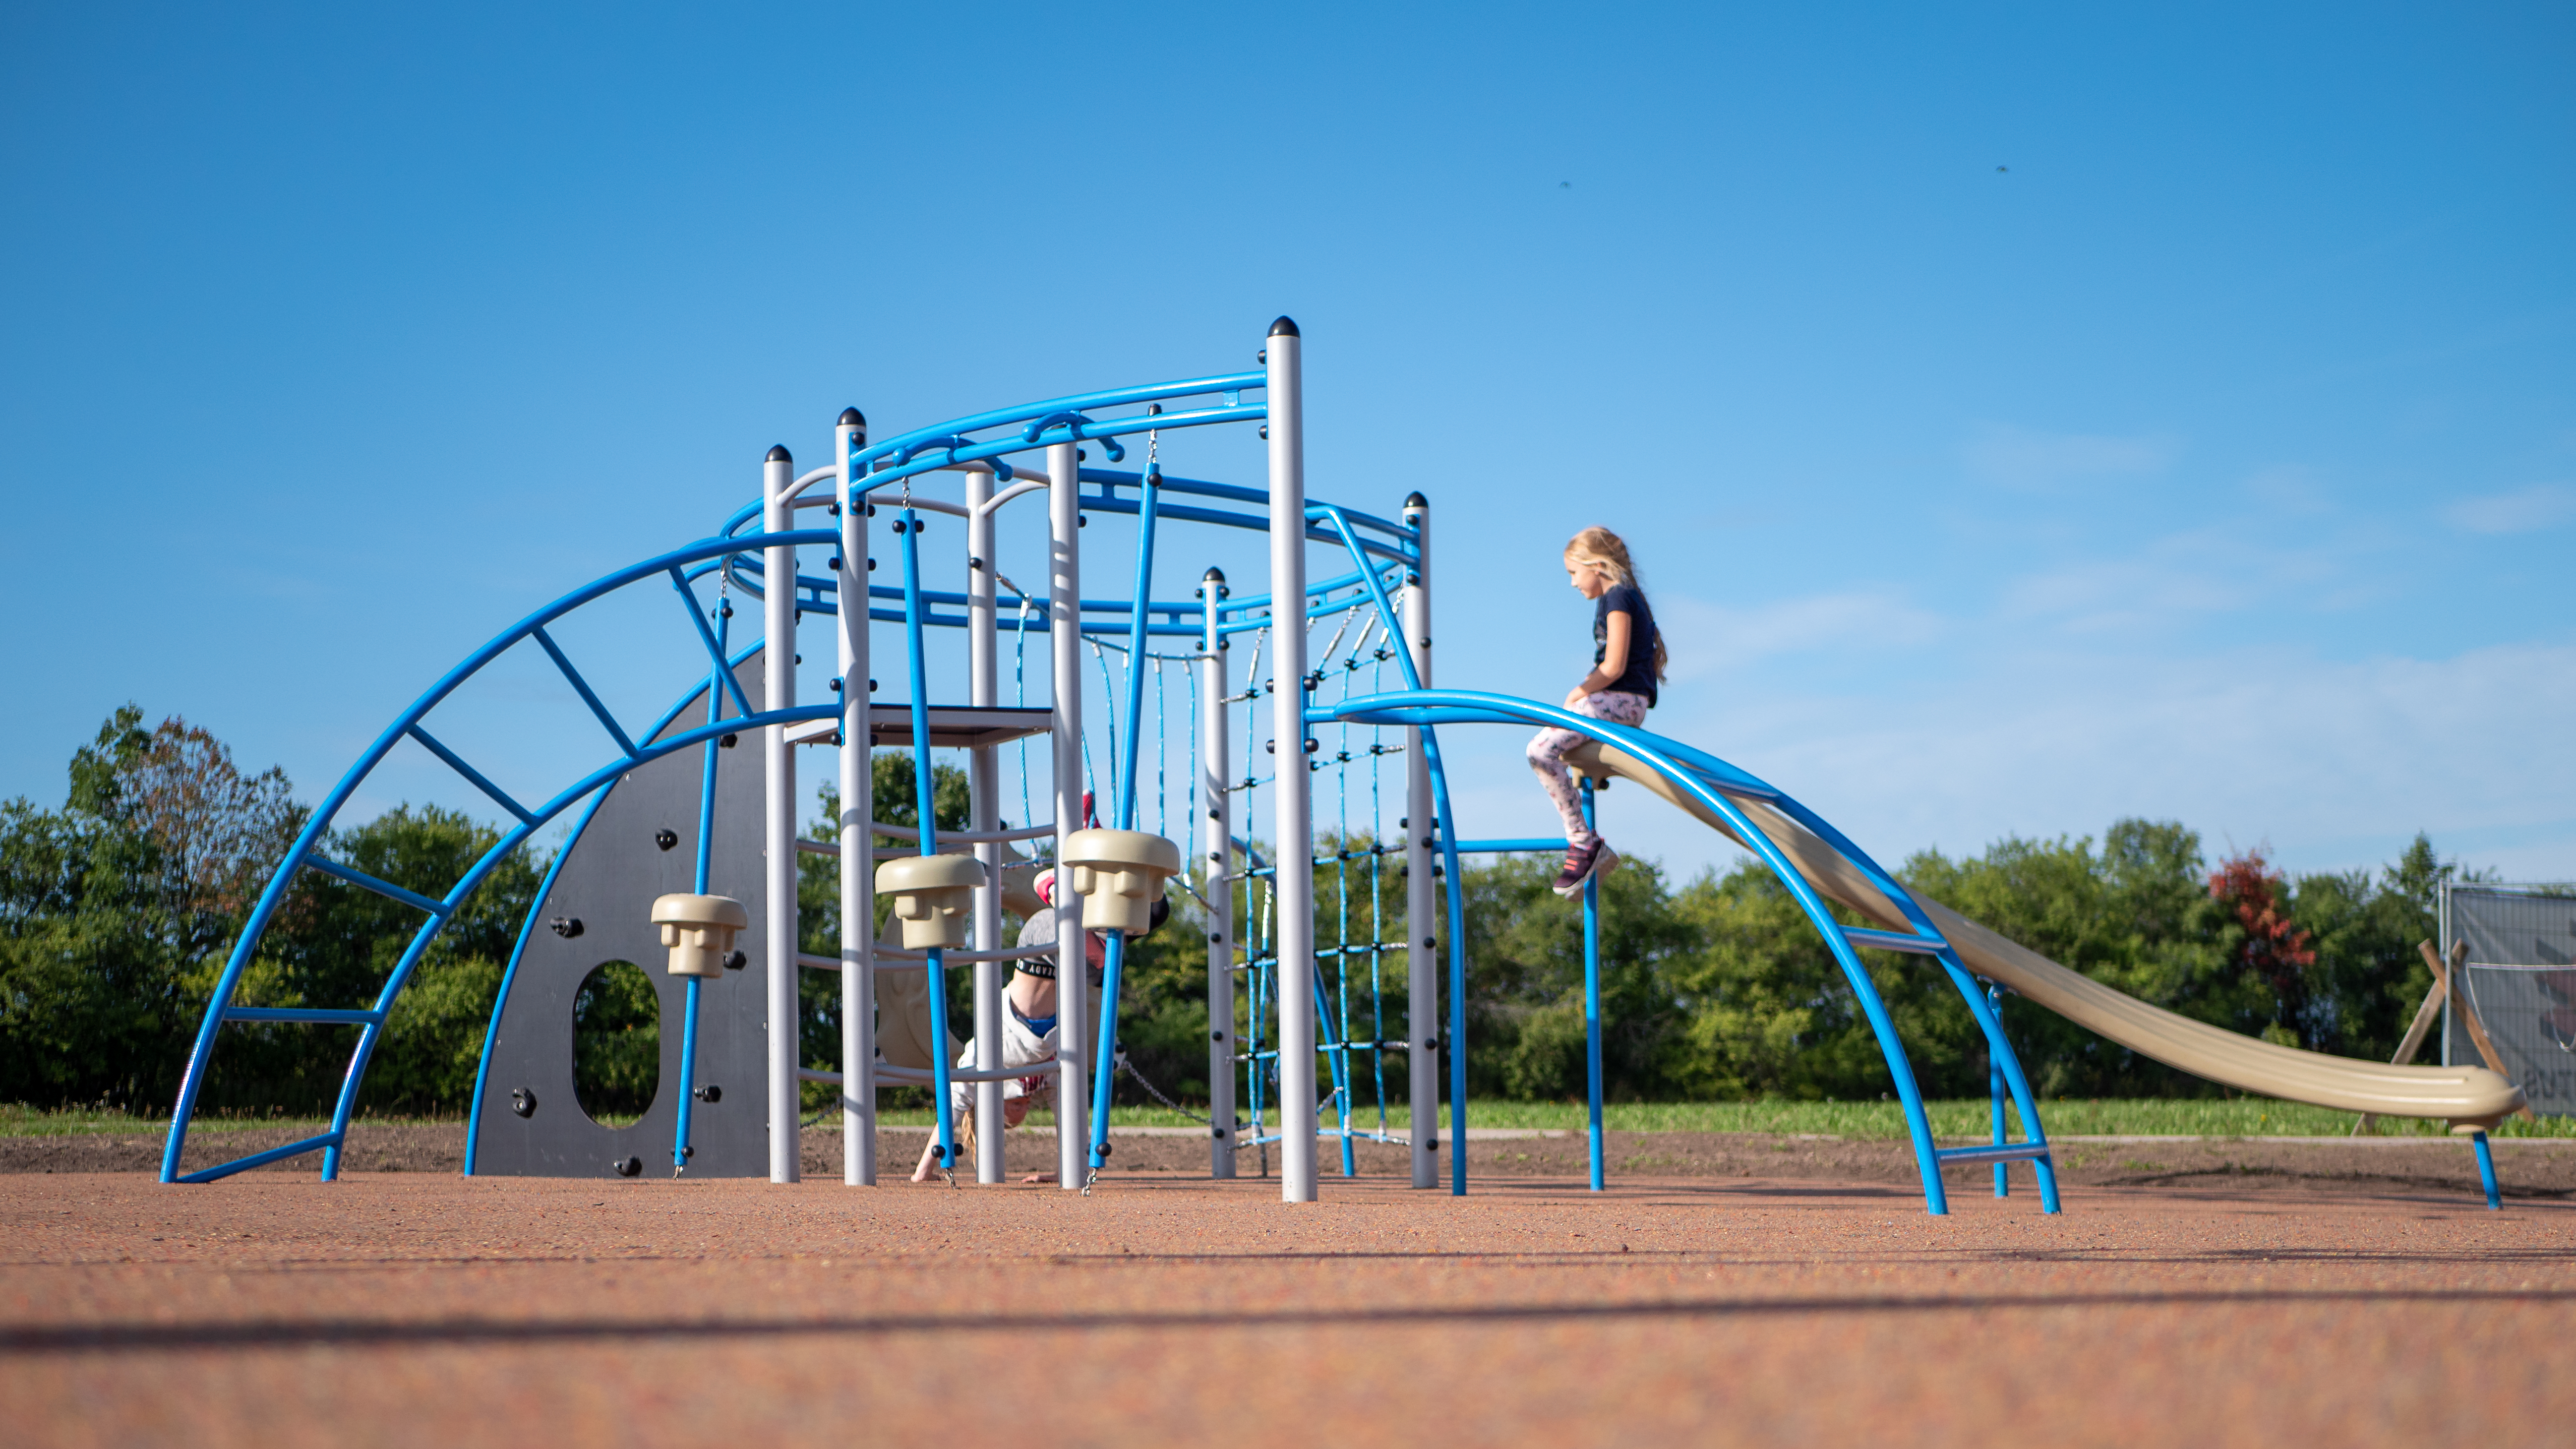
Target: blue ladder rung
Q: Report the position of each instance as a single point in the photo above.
(473, 776)
(1895, 941)
(262, 1159)
(386, 888)
(319, 1015)
(1485, 847)
(2009, 1152)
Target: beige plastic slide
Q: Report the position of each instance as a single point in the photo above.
(2467, 1096)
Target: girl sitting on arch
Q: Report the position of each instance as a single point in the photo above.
(1628, 661)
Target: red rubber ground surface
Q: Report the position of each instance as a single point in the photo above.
(416, 1309)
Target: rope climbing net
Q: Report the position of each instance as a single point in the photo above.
(1360, 902)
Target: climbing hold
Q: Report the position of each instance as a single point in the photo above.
(934, 897)
(1119, 874)
(699, 930)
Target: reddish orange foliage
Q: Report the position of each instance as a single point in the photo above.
(2273, 947)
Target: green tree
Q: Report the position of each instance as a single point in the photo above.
(616, 1043)
(347, 943)
(2136, 916)
(116, 911)
(2369, 976)
(119, 912)
(1525, 1000)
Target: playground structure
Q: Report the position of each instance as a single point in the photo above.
(1303, 1001)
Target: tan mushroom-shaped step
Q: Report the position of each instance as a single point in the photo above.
(1119, 874)
(700, 931)
(934, 897)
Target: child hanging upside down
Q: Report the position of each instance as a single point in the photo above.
(1030, 1030)
(1627, 662)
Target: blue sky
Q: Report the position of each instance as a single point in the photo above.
(2026, 416)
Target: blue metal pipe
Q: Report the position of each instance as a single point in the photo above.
(868, 474)
(325, 1142)
(707, 768)
(908, 527)
(1104, 1065)
(1592, 993)
(1983, 1006)
(1995, 1090)
(1111, 478)
(904, 445)
(1337, 1058)
(582, 687)
(1355, 581)
(470, 773)
(682, 1126)
(1318, 610)
(1980, 1006)
(437, 909)
(1097, 503)
(688, 1076)
(1444, 821)
(1654, 751)
(896, 616)
(1136, 396)
(2486, 1171)
(706, 636)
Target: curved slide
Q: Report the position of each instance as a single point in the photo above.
(2467, 1096)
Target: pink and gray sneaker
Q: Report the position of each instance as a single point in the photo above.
(1584, 863)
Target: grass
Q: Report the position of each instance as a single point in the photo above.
(1973, 1118)
(2147, 1117)
(17, 1119)
(2110, 1117)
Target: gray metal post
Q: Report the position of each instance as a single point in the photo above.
(984, 782)
(1421, 893)
(778, 672)
(858, 878)
(1296, 846)
(1073, 975)
(1216, 827)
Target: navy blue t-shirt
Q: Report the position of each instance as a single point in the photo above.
(1640, 675)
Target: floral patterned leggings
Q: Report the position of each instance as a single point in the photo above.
(1547, 756)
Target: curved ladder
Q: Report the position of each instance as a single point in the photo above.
(676, 565)
(1717, 785)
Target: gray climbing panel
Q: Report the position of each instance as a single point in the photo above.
(643, 843)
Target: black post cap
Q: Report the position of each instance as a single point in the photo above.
(853, 418)
(778, 453)
(1214, 575)
(1415, 500)
(1284, 327)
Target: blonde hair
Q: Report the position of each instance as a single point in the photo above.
(1599, 548)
